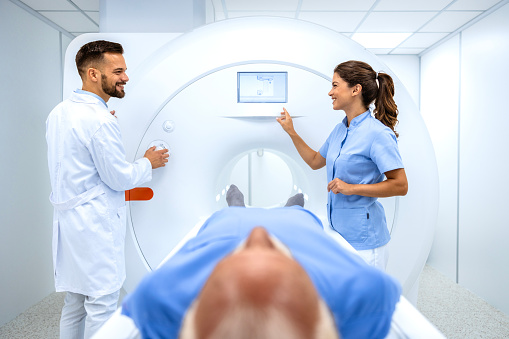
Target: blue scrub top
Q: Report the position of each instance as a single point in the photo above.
(360, 154)
(361, 298)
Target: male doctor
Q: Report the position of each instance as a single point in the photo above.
(89, 175)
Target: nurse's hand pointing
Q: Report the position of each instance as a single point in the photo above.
(339, 186)
(286, 121)
(157, 158)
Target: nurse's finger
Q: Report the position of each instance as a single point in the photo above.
(332, 186)
(329, 186)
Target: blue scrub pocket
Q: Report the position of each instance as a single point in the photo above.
(353, 168)
(351, 223)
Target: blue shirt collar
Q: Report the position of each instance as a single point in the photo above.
(357, 120)
(80, 91)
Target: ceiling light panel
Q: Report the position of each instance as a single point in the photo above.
(328, 5)
(49, 5)
(449, 21)
(422, 40)
(87, 5)
(411, 5)
(261, 5)
(395, 22)
(338, 21)
(473, 5)
(72, 21)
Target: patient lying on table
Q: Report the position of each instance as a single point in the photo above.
(263, 273)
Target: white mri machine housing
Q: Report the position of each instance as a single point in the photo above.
(182, 94)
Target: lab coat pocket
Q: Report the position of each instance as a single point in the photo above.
(121, 215)
(351, 223)
(55, 240)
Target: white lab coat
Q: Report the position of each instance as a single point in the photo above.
(89, 175)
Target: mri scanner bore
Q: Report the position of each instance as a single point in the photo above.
(191, 104)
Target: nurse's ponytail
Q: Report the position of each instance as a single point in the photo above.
(377, 87)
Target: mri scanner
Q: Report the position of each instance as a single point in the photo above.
(211, 96)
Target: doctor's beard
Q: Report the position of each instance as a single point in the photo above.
(111, 90)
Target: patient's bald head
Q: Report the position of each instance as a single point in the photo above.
(258, 291)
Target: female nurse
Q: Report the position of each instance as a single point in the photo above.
(361, 157)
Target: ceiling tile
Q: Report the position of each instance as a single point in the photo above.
(49, 5)
(380, 50)
(422, 40)
(411, 5)
(261, 5)
(473, 4)
(328, 5)
(219, 16)
(395, 21)
(87, 5)
(380, 40)
(218, 5)
(239, 14)
(72, 21)
(94, 15)
(407, 51)
(449, 21)
(338, 21)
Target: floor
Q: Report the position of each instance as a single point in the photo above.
(454, 310)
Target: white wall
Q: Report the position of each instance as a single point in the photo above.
(464, 86)
(406, 68)
(161, 16)
(440, 111)
(30, 85)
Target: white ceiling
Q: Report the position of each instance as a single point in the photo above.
(383, 26)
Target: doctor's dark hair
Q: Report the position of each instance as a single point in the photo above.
(92, 54)
(358, 72)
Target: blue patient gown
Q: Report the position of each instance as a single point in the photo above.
(361, 298)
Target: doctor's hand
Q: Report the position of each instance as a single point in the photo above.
(157, 158)
(286, 121)
(339, 186)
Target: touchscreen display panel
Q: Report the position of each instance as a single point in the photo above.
(262, 87)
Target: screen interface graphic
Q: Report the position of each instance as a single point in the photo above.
(262, 87)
